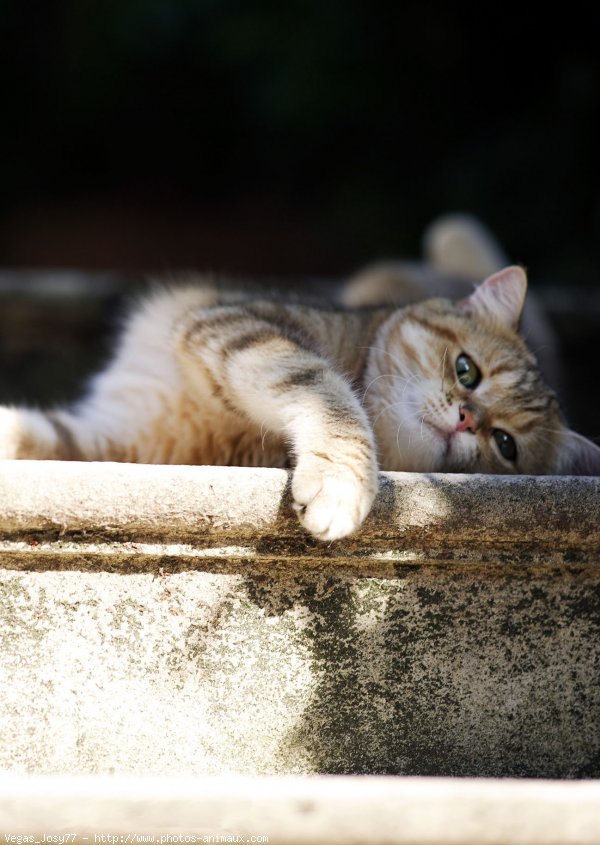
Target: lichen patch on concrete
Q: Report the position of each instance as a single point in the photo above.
(196, 672)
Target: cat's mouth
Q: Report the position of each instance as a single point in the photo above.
(445, 435)
(455, 447)
(442, 433)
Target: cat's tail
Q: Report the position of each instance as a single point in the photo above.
(460, 245)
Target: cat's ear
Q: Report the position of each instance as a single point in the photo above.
(499, 297)
(578, 456)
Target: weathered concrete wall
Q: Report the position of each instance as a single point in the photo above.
(177, 620)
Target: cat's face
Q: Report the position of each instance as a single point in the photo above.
(453, 388)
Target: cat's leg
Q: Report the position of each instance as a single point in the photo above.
(272, 377)
(28, 434)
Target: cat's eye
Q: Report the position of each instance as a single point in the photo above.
(506, 444)
(467, 371)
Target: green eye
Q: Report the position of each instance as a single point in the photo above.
(505, 444)
(467, 372)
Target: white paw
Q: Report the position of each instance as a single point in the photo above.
(332, 500)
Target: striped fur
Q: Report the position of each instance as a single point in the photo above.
(335, 394)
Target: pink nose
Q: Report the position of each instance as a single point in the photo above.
(468, 420)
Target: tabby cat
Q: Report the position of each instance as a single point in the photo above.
(200, 377)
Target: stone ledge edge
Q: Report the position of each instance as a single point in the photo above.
(324, 809)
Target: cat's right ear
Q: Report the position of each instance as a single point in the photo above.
(578, 456)
(499, 297)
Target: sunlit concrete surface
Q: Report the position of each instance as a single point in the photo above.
(178, 621)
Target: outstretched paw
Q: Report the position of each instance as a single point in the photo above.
(331, 499)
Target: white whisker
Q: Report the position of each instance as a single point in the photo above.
(383, 375)
(444, 366)
(398, 438)
(263, 432)
(385, 352)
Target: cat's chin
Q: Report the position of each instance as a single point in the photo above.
(455, 448)
(442, 445)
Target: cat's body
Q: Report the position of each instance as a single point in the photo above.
(200, 378)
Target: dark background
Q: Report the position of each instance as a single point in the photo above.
(295, 137)
(288, 139)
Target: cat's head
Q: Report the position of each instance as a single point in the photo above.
(451, 387)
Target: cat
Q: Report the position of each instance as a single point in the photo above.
(207, 377)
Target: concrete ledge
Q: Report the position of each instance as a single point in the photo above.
(54, 510)
(294, 811)
(178, 621)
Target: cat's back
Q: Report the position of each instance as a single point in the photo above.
(153, 318)
(148, 336)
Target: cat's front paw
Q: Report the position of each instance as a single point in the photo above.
(331, 499)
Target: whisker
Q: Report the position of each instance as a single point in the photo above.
(408, 403)
(384, 375)
(385, 352)
(388, 407)
(384, 409)
(414, 377)
(444, 366)
(263, 432)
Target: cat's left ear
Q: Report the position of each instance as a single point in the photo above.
(499, 297)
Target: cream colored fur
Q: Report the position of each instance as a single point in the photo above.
(201, 378)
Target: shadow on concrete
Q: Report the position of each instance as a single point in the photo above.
(446, 669)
